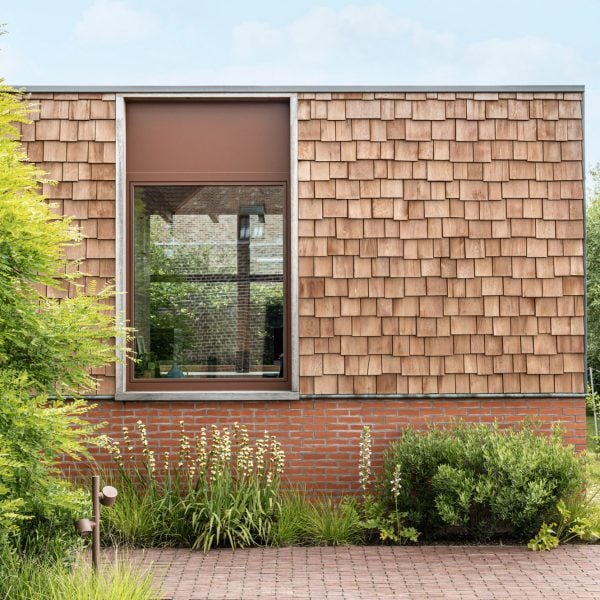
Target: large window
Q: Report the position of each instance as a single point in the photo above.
(207, 246)
(209, 281)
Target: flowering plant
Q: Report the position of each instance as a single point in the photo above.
(375, 518)
(220, 490)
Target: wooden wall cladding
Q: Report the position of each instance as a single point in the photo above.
(72, 138)
(441, 243)
(440, 235)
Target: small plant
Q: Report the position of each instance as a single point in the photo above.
(364, 464)
(592, 402)
(387, 524)
(219, 493)
(289, 528)
(592, 405)
(569, 527)
(376, 518)
(331, 523)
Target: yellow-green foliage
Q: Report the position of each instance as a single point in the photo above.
(54, 341)
(27, 578)
(47, 347)
(33, 431)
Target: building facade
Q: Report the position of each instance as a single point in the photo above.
(309, 261)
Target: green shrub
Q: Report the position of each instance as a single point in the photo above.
(478, 480)
(47, 348)
(592, 402)
(37, 504)
(222, 493)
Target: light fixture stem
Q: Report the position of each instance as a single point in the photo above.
(96, 518)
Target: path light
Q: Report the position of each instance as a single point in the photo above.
(85, 527)
(108, 495)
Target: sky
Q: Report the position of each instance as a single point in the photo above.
(331, 42)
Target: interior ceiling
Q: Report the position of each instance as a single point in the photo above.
(168, 200)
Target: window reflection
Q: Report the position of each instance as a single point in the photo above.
(209, 281)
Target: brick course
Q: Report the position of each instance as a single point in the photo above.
(321, 436)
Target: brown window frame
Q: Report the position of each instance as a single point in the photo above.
(238, 173)
(199, 384)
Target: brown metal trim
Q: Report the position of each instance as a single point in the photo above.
(208, 138)
(205, 141)
(191, 178)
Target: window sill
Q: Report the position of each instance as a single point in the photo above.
(232, 396)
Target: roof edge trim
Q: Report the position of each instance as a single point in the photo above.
(257, 89)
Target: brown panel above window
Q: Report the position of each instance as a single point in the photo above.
(220, 141)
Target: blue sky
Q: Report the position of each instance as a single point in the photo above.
(332, 42)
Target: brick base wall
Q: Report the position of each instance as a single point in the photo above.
(321, 437)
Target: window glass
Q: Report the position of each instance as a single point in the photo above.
(208, 271)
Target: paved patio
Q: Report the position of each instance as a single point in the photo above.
(465, 572)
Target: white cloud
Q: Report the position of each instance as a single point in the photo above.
(114, 22)
(373, 44)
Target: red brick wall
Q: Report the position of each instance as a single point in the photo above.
(440, 252)
(321, 437)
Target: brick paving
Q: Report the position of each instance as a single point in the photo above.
(369, 573)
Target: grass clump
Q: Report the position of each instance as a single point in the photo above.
(307, 521)
(28, 578)
(328, 522)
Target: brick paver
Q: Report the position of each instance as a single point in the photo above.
(465, 572)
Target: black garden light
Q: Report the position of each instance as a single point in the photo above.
(85, 527)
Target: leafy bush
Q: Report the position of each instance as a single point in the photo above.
(37, 504)
(592, 410)
(47, 347)
(592, 402)
(222, 493)
(54, 340)
(478, 480)
(592, 236)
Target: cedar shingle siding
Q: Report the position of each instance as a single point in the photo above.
(441, 243)
(72, 137)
